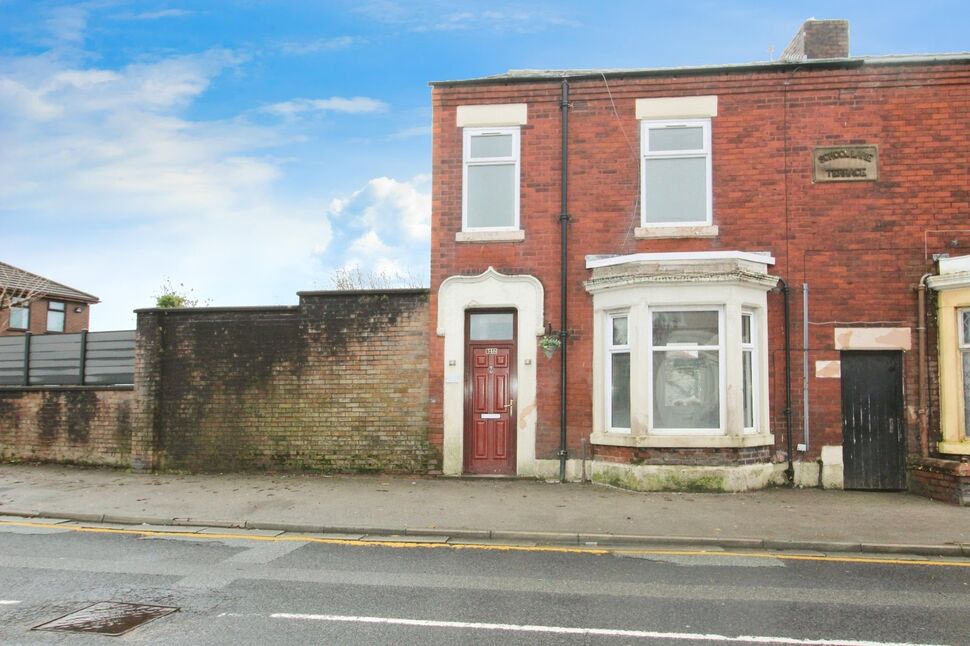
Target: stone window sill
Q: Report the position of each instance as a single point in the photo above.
(683, 441)
(490, 236)
(653, 233)
(954, 448)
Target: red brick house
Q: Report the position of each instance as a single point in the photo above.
(32, 303)
(659, 224)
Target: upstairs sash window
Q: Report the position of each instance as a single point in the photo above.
(676, 173)
(490, 196)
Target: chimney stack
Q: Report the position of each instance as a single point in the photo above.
(819, 39)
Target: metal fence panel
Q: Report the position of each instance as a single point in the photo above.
(113, 335)
(55, 359)
(63, 359)
(110, 357)
(12, 360)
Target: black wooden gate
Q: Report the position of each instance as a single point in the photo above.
(873, 435)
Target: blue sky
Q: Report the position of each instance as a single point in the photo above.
(247, 149)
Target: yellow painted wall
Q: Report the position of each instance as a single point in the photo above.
(951, 383)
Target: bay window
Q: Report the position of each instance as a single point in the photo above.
(681, 354)
(749, 380)
(618, 374)
(686, 383)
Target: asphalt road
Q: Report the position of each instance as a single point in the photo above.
(289, 589)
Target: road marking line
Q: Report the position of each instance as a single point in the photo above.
(8, 602)
(594, 551)
(568, 630)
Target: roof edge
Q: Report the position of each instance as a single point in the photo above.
(76, 295)
(542, 76)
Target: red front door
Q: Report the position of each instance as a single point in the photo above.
(490, 409)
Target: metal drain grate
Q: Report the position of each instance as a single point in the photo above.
(107, 618)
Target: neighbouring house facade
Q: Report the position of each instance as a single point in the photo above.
(733, 268)
(39, 305)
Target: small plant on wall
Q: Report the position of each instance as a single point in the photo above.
(173, 297)
(549, 343)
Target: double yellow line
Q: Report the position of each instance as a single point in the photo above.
(595, 551)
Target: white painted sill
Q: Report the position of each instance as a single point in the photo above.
(490, 236)
(683, 441)
(954, 448)
(653, 233)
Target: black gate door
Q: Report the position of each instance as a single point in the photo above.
(873, 436)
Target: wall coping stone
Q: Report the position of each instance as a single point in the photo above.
(396, 291)
(236, 308)
(954, 467)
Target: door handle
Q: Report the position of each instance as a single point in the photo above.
(508, 406)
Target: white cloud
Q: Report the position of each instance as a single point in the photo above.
(67, 24)
(353, 105)
(17, 100)
(388, 204)
(108, 184)
(109, 187)
(387, 226)
(315, 46)
(154, 15)
(369, 244)
(408, 133)
(458, 15)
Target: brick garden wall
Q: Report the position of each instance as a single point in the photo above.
(945, 480)
(74, 425)
(335, 384)
(861, 246)
(338, 384)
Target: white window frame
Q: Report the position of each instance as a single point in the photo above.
(752, 348)
(963, 348)
(467, 161)
(608, 381)
(721, 368)
(62, 311)
(20, 305)
(649, 124)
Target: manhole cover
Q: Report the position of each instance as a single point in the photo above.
(107, 618)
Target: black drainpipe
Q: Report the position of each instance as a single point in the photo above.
(563, 235)
(790, 471)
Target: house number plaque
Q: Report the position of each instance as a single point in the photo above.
(845, 164)
(491, 350)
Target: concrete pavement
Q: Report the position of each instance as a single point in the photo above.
(493, 509)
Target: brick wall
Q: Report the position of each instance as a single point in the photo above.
(946, 480)
(819, 39)
(335, 384)
(76, 425)
(860, 246)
